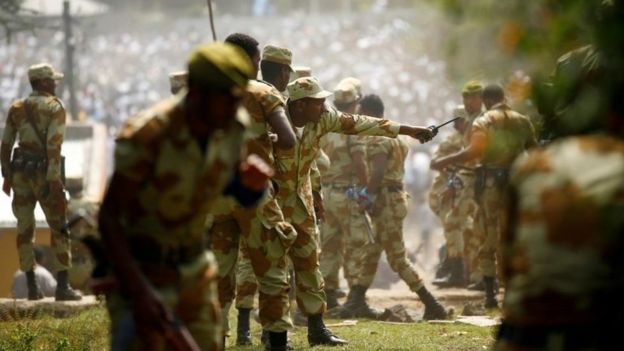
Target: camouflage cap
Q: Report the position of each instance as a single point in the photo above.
(178, 80)
(306, 87)
(272, 53)
(220, 66)
(43, 71)
(472, 87)
(347, 91)
(460, 111)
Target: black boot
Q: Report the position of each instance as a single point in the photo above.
(63, 291)
(490, 292)
(456, 277)
(433, 309)
(332, 299)
(243, 334)
(34, 291)
(278, 341)
(356, 305)
(318, 334)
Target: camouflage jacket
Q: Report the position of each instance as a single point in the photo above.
(293, 166)
(339, 148)
(261, 99)
(49, 115)
(563, 256)
(507, 135)
(178, 182)
(396, 150)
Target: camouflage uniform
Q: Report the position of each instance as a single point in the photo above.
(562, 256)
(343, 218)
(295, 191)
(442, 198)
(506, 135)
(344, 223)
(390, 209)
(178, 186)
(31, 176)
(258, 227)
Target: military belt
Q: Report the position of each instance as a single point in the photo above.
(148, 250)
(28, 162)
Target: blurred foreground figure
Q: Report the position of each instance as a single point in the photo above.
(171, 162)
(177, 81)
(562, 254)
(35, 173)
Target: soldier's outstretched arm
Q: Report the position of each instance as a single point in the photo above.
(422, 134)
(281, 126)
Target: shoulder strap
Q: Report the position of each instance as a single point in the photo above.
(30, 119)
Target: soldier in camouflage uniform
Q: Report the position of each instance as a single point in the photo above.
(344, 220)
(236, 228)
(313, 119)
(562, 252)
(385, 199)
(443, 199)
(171, 162)
(496, 139)
(460, 219)
(34, 174)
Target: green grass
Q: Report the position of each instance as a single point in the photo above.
(37, 331)
(371, 335)
(89, 331)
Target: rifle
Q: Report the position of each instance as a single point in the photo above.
(175, 333)
(352, 194)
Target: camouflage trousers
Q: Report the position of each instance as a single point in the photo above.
(304, 256)
(391, 209)
(491, 220)
(193, 299)
(344, 228)
(246, 282)
(27, 191)
(263, 237)
(459, 226)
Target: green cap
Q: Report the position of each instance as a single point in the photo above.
(472, 87)
(276, 54)
(219, 66)
(306, 87)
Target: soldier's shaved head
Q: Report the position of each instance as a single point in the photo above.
(493, 94)
(248, 44)
(372, 105)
